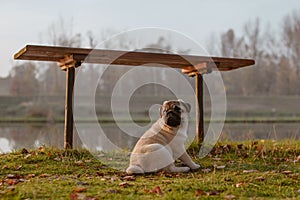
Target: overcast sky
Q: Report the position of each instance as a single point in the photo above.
(23, 22)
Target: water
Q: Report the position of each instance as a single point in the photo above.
(16, 136)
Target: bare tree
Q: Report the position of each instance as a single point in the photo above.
(23, 81)
(291, 39)
(59, 33)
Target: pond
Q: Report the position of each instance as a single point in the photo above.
(27, 135)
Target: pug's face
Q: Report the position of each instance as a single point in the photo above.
(173, 112)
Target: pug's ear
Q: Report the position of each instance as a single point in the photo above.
(160, 111)
(188, 107)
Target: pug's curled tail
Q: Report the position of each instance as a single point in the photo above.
(134, 169)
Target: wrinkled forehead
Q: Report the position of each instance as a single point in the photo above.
(171, 103)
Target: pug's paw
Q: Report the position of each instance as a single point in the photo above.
(195, 167)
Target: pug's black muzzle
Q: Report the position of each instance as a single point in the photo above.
(172, 119)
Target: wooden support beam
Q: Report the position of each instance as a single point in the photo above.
(68, 64)
(201, 68)
(68, 128)
(199, 109)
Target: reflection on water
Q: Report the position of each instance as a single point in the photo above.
(17, 136)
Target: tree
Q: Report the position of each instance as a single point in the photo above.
(59, 33)
(23, 81)
(291, 39)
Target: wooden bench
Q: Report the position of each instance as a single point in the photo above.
(70, 58)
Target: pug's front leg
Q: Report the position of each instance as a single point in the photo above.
(173, 169)
(186, 159)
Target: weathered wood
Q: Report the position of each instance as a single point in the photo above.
(201, 68)
(68, 128)
(68, 61)
(101, 56)
(199, 109)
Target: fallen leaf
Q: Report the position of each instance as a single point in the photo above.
(23, 180)
(12, 176)
(27, 156)
(228, 179)
(157, 190)
(260, 148)
(124, 184)
(207, 170)
(200, 192)
(30, 176)
(80, 189)
(80, 163)
(82, 183)
(113, 178)
(57, 159)
(88, 161)
(254, 143)
(10, 188)
(18, 167)
(250, 171)
(214, 193)
(44, 175)
(147, 191)
(286, 172)
(231, 162)
(166, 181)
(218, 150)
(100, 173)
(240, 184)
(113, 191)
(12, 181)
(5, 167)
(295, 176)
(41, 149)
(74, 196)
(229, 197)
(24, 151)
(128, 178)
(227, 147)
(180, 175)
(260, 178)
(221, 167)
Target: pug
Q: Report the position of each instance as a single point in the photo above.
(163, 143)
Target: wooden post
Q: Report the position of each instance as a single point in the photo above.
(199, 109)
(68, 128)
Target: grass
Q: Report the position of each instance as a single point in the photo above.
(248, 170)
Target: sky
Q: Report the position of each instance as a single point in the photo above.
(26, 22)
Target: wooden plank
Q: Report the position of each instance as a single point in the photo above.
(101, 56)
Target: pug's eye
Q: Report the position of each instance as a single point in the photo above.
(177, 109)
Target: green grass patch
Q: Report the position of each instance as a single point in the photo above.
(254, 169)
